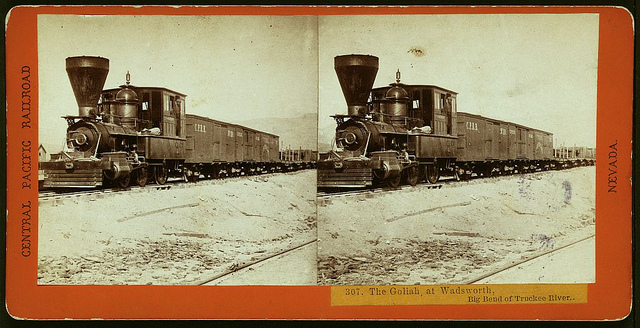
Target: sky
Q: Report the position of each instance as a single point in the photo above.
(232, 68)
(538, 70)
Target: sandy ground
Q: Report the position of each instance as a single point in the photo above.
(453, 234)
(573, 264)
(175, 236)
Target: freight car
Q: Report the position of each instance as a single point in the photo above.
(215, 148)
(568, 157)
(488, 146)
(299, 155)
(415, 132)
(145, 134)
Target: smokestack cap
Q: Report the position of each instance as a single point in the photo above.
(88, 61)
(356, 60)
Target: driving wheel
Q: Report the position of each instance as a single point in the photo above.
(412, 175)
(433, 174)
(141, 176)
(162, 173)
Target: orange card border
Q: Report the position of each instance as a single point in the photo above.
(608, 299)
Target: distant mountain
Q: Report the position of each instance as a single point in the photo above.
(295, 132)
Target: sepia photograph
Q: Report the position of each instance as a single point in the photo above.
(457, 149)
(444, 150)
(177, 150)
(319, 162)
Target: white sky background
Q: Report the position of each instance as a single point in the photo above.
(536, 70)
(232, 68)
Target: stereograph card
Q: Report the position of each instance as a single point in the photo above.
(319, 162)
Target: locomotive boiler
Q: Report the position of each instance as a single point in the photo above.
(414, 132)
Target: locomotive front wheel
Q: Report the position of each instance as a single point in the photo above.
(162, 173)
(124, 181)
(412, 176)
(432, 174)
(395, 182)
(142, 176)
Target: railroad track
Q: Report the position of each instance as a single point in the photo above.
(46, 195)
(327, 195)
(517, 263)
(52, 195)
(229, 271)
(370, 192)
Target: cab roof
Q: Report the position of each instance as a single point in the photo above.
(411, 86)
(134, 87)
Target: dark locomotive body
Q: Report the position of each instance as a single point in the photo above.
(414, 133)
(105, 141)
(143, 134)
(390, 133)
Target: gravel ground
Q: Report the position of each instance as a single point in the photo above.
(576, 263)
(413, 236)
(176, 236)
(454, 234)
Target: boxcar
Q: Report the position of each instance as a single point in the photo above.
(209, 141)
(213, 146)
(488, 145)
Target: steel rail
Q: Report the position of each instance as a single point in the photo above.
(447, 182)
(48, 194)
(511, 265)
(248, 264)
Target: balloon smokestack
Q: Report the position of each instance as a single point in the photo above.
(356, 74)
(87, 76)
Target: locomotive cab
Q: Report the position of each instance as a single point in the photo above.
(428, 105)
(158, 108)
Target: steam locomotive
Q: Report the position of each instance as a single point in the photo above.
(143, 134)
(410, 133)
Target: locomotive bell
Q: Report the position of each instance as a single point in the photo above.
(87, 76)
(356, 74)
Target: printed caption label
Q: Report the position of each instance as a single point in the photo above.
(458, 294)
